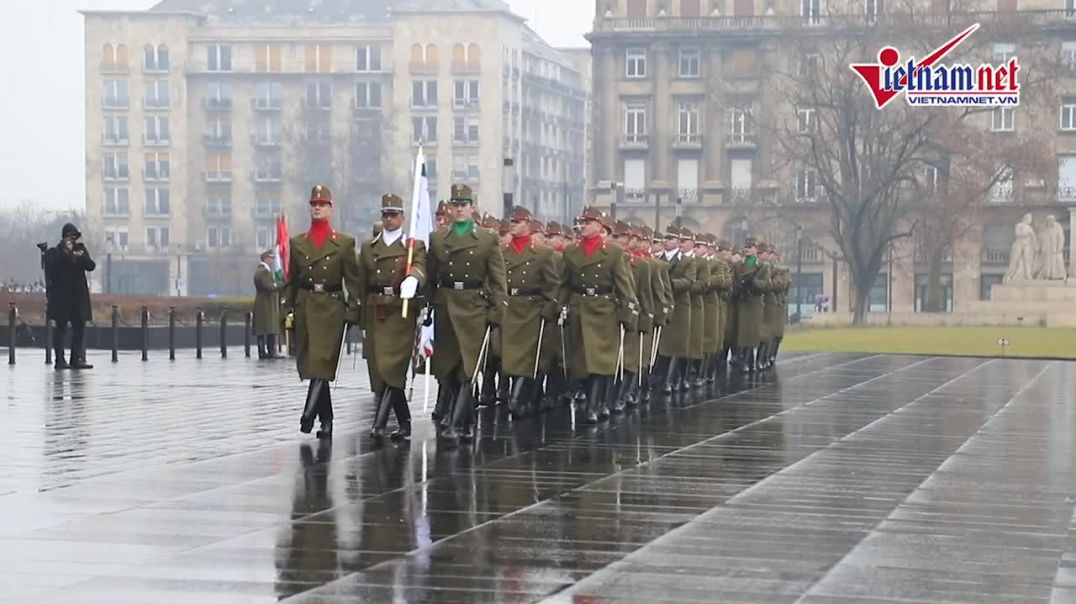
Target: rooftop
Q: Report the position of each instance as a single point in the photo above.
(318, 11)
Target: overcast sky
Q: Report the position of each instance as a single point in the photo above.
(42, 110)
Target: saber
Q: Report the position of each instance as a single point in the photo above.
(415, 350)
(620, 357)
(654, 347)
(639, 374)
(340, 353)
(538, 352)
(563, 353)
(481, 355)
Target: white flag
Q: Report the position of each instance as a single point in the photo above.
(421, 217)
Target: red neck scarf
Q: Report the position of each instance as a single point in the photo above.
(521, 243)
(591, 244)
(319, 232)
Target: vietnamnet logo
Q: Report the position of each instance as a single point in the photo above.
(929, 82)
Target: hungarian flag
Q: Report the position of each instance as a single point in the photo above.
(421, 217)
(281, 249)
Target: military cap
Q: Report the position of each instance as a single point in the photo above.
(321, 194)
(590, 214)
(537, 226)
(607, 223)
(503, 226)
(461, 194)
(686, 234)
(750, 242)
(672, 232)
(391, 202)
(725, 245)
(622, 229)
(489, 222)
(520, 213)
(442, 208)
(553, 228)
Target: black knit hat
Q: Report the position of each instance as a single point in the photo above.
(70, 229)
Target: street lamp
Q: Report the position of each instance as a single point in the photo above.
(110, 242)
(613, 188)
(799, 272)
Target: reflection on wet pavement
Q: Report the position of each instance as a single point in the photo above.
(842, 478)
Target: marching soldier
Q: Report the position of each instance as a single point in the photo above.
(441, 216)
(389, 337)
(597, 285)
(624, 235)
(732, 317)
(322, 262)
(724, 283)
(557, 388)
(466, 270)
(661, 293)
(698, 286)
(266, 307)
(711, 308)
(769, 309)
(675, 345)
(533, 308)
(784, 284)
(751, 278)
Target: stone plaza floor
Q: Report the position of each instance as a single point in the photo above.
(841, 478)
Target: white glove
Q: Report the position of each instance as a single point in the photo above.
(409, 288)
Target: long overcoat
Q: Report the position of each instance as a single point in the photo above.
(723, 286)
(753, 281)
(389, 338)
(600, 299)
(771, 309)
(466, 274)
(533, 286)
(315, 292)
(635, 339)
(552, 341)
(266, 302)
(66, 290)
(676, 337)
(661, 292)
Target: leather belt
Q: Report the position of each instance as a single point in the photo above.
(525, 291)
(382, 291)
(593, 291)
(463, 285)
(321, 288)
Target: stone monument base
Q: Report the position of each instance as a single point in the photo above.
(1045, 303)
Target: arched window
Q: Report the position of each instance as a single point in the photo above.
(431, 54)
(121, 57)
(162, 58)
(459, 54)
(417, 54)
(474, 56)
(108, 57)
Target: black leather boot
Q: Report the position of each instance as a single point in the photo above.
(261, 348)
(60, 361)
(325, 412)
(773, 350)
(504, 387)
(381, 416)
(403, 415)
(621, 393)
(310, 409)
(608, 389)
(672, 367)
(460, 426)
(487, 396)
(444, 401)
(517, 401)
(270, 348)
(748, 356)
(594, 394)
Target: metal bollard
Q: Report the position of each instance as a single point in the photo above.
(198, 318)
(248, 319)
(115, 333)
(12, 314)
(171, 333)
(224, 334)
(145, 333)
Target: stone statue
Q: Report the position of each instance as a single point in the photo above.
(1022, 255)
(1051, 252)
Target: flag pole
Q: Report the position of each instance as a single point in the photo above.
(419, 162)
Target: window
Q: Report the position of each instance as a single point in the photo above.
(158, 202)
(261, 238)
(368, 58)
(635, 62)
(218, 133)
(218, 167)
(270, 169)
(743, 61)
(1068, 54)
(1066, 178)
(319, 58)
(268, 58)
(1002, 189)
(218, 207)
(424, 129)
(270, 130)
(424, 93)
(809, 65)
(157, 132)
(1002, 119)
(1068, 114)
(687, 123)
(116, 130)
(155, 59)
(634, 179)
(1003, 52)
(157, 167)
(465, 167)
(933, 179)
(740, 172)
(157, 96)
(218, 57)
(266, 208)
(466, 130)
(689, 62)
(687, 180)
(218, 236)
(218, 95)
(431, 170)
(806, 185)
(117, 201)
(466, 93)
(114, 58)
(986, 283)
(805, 120)
(946, 282)
(811, 11)
(157, 237)
(268, 95)
(118, 238)
(740, 128)
(635, 123)
(874, 8)
(116, 165)
(115, 95)
(319, 94)
(368, 95)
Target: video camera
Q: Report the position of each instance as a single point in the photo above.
(44, 247)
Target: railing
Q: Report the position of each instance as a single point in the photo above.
(635, 140)
(688, 139)
(466, 67)
(741, 139)
(995, 257)
(217, 103)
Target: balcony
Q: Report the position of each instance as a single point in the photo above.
(217, 176)
(634, 142)
(121, 140)
(217, 104)
(266, 141)
(741, 140)
(466, 67)
(1066, 194)
(809, 255)
(361, 108)
(317, 105)
(270, 104)
(465, 103)
(217, 141)
(156, 104)
(155, 141)
(465, 142)
(116, 102)
(423, 67)
(109, 68)
(994, 257)
(114, 176)
(217, 214)
(270, 175)
(688, 141)
(154, 174)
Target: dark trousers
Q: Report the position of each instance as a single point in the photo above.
(78, 337)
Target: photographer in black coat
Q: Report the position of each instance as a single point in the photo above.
(68, 295)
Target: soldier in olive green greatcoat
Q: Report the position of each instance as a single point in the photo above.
(770, 309)
(389, 340)
(722, 274)
(466, 273)
(321, 263)
(675, 345)
(646, 246)
(597, 286)
(557, 387)
(533, 308)
(635, 358)
(732, 297)
(752, 279)
(266, 307)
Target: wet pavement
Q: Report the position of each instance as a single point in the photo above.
(842, 478)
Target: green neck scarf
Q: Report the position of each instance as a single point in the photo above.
(750, 261)
(462, 227)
